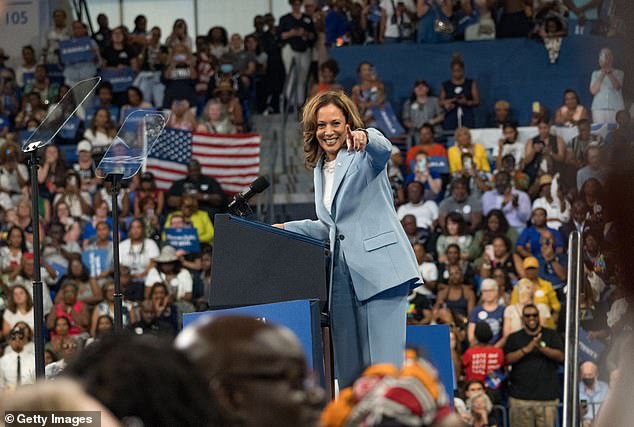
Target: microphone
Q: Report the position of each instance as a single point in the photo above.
(240, 203)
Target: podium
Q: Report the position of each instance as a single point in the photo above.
(255, 263)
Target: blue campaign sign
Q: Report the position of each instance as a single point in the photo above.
(60, 270)
(439, 164)
(387, 121)
(185, 239)
(589, 349)
(73, 51)
(70, 128)
(95, 260)
(434, 341)
(120, 78)
(301, 317)
(55, 73)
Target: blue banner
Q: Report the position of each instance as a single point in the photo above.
(439, 164)
(295, 315)
(60, 270)
(434, 341)
(73, 51)
(55, 73)
(70, 128)
(589, 349)
(386, 120)
(96, 261)
(185, 239)
(120, 79)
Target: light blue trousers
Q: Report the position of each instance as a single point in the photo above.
(364, 332)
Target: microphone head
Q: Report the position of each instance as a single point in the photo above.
(260, 184)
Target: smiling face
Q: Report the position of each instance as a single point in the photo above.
(331, 130)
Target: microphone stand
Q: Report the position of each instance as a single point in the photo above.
(38, 293)
(115, 179)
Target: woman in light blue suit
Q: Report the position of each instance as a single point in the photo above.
(373, 263)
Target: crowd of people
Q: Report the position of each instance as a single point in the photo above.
(489, 230)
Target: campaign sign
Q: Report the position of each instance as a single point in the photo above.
(589, 349)
(73, 51)
(387, 121)
(120, 78)
(70, 128)
(185, 239)
(434, 341)
(96, 261)
(302, 317)
(55, 73)
(439, 164)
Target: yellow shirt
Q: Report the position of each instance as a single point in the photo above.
(480, 159)
(544, 294)
(201, 222)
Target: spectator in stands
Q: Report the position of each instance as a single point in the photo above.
(19, 309)
(102, 35)
(594, 169)
(32, 113)
(461, 201)
(528, 242)
(71, 308)
(580, 143)
(519, 178)
(226, 94)
(495, 224)
(545, 152)
(434, 21)
(151, 64)
(459, 96)
(100, 215)
(515, 204)
(105, 326)
(134, 101)
(544, 292)
(327, 78)
(533, 398)
(218, 41)
(180, 77)
(104, 100)
(502, 114)
(422, 173)
(369, 92)
(591, 390)
(9, 103)
(482, 358)
(169, 270)
(78, 71)
(58, 32)
(205, 189)
(425, 144)
(578, 221)
(101, 131)
(426, 212)
(513, 312)
(49, 91)
(515, 20)
(297, 34)
(194, 217)
(572, 111)
(605, 85)
(182, 116)
(413, 232)
(551, 30)
(454, 233)
(228, 350)
(64, 344)
(179, 36)
(101, 240)
(78, 203)
(88, 291)
(165, 310)
(14, 175)
(106, 308)
(17, 367)
(25, 71)
(138, 252)
(509, 144)
(397, 19)
(552, 200)
(337, 25)
(457, 296)
(149, 323)
(243, 62)
(215, 119)
(62, 215)
(148, 188)
(452, 255)
(465, 156)
(490, 312)
(58, 249)
(499, 255)
(421, 108)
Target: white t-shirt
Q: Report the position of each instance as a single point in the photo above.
(13, 318)
(329, 179)
(553, 211)
(428, 271)
(181, 284)
(138, 256)
(391, 29)
(425, 213)
(9, 369)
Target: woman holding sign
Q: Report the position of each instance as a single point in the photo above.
(373, 262)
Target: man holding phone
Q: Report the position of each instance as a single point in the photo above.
(515, 204)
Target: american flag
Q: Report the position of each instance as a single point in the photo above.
(234, 160)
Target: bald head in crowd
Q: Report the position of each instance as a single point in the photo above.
(257, 372)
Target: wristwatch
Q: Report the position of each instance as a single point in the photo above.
(542, 344)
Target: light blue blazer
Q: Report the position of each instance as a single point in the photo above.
(363, 220)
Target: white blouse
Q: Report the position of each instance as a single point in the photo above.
(329, 178)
